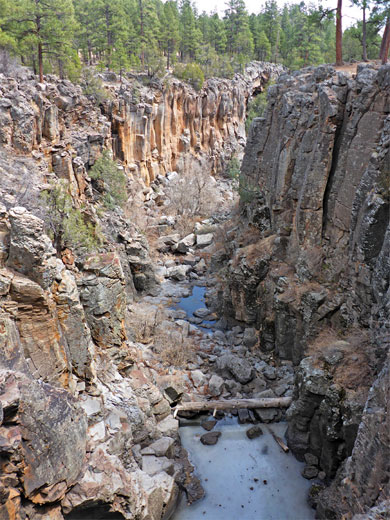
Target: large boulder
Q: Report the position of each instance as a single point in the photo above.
(235, 366)
(44, 436)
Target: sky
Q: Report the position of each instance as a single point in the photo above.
(350, 14)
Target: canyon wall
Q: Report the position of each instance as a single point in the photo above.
(84, 424)
(311, 269)
(172, 127)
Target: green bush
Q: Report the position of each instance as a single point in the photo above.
(67, 226)
(245, 189)
(191, 72)
(93, 86)
(256, 108)
(111, 181)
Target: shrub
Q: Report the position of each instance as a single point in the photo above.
(93, 86)
(111, 181)
(190, 72)
(256, 108)
(241, 184)
(67, 225)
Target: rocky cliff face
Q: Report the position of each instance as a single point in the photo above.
(312, 273)
(172, 127)
(68, 419)
(153, 129)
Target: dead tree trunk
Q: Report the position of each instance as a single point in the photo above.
(234, 404)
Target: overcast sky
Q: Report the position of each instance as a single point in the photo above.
(350, 14)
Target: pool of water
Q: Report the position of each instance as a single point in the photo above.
(195, 301)
(245, 479)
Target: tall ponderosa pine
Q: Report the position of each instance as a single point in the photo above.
(190, 34)
(43, 25)
(170, 30)
(239, 36)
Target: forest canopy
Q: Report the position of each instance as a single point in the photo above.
(59, 36)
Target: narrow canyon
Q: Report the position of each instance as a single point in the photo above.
(236, 266)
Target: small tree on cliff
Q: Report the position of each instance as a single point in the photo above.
(110, 181)
(66, 224)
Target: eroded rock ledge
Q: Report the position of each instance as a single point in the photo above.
(311, 269)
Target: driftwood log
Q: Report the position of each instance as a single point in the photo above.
(279, 441)
(234, 404)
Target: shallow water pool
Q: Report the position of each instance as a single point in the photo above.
(195, 301)
(245, 479)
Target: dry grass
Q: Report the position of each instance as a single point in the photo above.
(172, 353)
(170, 345)
(353, 371)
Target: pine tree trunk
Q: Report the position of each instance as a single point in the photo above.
(364, 42)
(385, 39)
(386, 43)
(40, 50)
(339, 34)
(40, 62)
(89, 53)
(142, 32)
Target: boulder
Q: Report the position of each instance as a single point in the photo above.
(215, 385)
(202, 312)
(254, 432)
(204, 240)
(178, 272)
(208, 424)
(185, 244)
(238, 367)
(210, 438)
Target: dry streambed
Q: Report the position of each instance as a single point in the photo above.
(185, 343)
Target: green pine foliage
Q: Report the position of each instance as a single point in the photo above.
(155, 35)
(110, 181)
(192, 73)
(66, 224)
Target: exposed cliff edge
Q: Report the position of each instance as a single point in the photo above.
(312, 272)
(153, 129)
(172, 127)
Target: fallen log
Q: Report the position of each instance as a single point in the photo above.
(279, 441)
(234, 404)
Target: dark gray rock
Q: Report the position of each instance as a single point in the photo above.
(211, 438)
(235, 366)
(208, 424)
(254, 432)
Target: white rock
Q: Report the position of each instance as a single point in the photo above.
(204, 240)
(179, 272)
(198, 377)
(152, 465)
(91, 405)
(98, 431)
(168, 426)
(159, 448)
(215, 385)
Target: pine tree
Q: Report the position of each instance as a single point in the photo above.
(271, 24)
(239, 36)
(45, 25)
(190, 36)
(170, 31)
